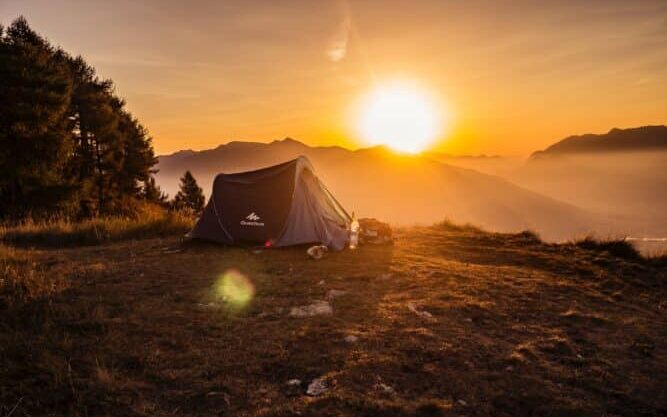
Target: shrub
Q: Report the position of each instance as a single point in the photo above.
(529, 236)
(450, 225)
(619, 248)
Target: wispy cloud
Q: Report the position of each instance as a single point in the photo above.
(337, 49)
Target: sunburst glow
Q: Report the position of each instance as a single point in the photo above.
(400, 116)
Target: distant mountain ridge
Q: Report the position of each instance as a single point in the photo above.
(616, 140)
(620, 175)
(401, 189)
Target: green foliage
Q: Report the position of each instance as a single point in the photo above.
(67, 144)
(190, 197)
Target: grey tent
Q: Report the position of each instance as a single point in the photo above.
(281, 205)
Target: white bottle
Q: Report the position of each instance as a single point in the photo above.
(354, 232)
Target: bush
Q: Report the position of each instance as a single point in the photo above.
(529, 236)
(447, 224)
(619, 248)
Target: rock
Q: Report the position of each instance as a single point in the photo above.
(317, 252)
(463, 403)
(420, 313)
(335, 293)
(321, 282)
(318, 387)
(294, 382)
(381, 386)
(351, 338)
(171, 250)
(317, 308)
(510, 368)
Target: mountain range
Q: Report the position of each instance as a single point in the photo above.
(644, 138)
(559, 198)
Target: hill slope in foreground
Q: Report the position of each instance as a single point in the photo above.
(448, 321)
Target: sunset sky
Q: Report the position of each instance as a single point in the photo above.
(513, 79)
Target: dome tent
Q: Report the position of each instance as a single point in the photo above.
(281, 205)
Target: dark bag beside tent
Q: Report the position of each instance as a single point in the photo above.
(282, 205)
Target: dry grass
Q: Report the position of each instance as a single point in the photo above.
(616, 247)
(515, 327)
(23, 279)
(154, 222)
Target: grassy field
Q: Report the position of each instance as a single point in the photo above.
(448, 321)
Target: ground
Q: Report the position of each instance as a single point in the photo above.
(449, 321)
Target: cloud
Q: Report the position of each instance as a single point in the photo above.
(338, 43)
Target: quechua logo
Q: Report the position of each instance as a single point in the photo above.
(252, 219)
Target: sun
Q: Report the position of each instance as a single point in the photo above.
(401, 116)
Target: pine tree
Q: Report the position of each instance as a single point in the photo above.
(151, 192)
(67, 143)
(138, 156)
(96, 113)
(35, 91)
(190, 197)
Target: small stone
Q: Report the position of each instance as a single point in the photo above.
(294, 382)
(318, 387)
(317, 308)
(463, 403)
(351, 338)
(321, 282)
(335, 293)
(385, 388)
(422, 313)
(510, 368)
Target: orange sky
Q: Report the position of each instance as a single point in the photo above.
(517, 78)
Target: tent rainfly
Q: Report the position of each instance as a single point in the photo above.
(281, 205)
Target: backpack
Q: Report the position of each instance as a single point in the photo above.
(374, 231)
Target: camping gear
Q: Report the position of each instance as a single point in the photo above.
(374, 231)
(354, 232)
(281, 205)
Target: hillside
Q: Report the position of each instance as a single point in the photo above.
(620, 176)
(447, 321)
(616, 140)
(501, 165)
(400, 189)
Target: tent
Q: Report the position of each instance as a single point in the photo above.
(281, 205)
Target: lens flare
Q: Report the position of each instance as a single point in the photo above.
(235, 289)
